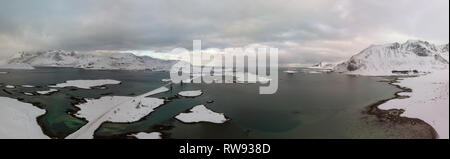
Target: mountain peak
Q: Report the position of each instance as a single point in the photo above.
(384, 59)
(444, 48)
(414, 41)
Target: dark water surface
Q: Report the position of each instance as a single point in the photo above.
(325, 105)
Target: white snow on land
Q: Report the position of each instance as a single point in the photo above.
(190, 93)
(428, 101)
(201, 114)
(132, 109)
(86, 84)
(115, 109)
(152, 135)
(18, 120)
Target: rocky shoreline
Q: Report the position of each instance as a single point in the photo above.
(393, 115)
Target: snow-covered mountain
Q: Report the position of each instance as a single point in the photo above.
(444, 51)
(111, 61)
(323, 65)
(411, 57)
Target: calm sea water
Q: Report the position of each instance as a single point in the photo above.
(306, 105)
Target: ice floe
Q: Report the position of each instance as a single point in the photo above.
(47, 92)
(86, 84)
(201, 114)
(314, 72)
(152, 135)
(190, 93)
(18, 120)
(290, 72)
(166, 80)
(27, 86)
(10, 86)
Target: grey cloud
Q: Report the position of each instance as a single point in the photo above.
(162, 25)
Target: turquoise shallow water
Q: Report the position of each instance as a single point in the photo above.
(324, 105)
(58, 121)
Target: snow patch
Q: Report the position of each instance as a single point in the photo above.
(290, 72)
(201, 114)
(18, 120)
(115, 109)
(131, 109)
(86, 84)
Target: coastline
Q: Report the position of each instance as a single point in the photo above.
(389, 114)
(394, 114)
(19, 120)
(428, 100)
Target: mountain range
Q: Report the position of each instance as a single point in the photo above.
(413, 56)
(106, 61)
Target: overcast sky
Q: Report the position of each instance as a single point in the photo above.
(305, 31)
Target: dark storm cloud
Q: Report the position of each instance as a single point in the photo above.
(304, 31)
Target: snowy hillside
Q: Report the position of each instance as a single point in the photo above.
(113, 61)
(428, 100)
(393, 59)
(323, 65)
(444, 51)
